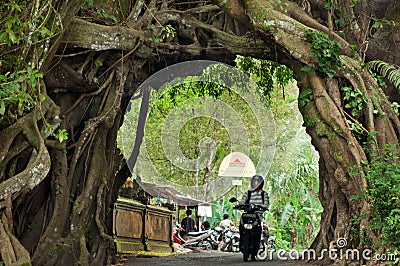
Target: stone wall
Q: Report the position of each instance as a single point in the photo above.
(139, 227)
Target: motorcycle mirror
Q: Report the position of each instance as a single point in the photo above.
(233, 199)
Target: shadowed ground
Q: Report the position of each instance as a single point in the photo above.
(210, 258)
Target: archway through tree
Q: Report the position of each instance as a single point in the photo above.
(194, 122)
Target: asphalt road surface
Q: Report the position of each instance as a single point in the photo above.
(209, 258)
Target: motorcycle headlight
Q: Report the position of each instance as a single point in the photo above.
(248, 226)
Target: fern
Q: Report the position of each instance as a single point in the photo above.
(386, 70)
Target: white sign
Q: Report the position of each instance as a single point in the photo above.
(236, 182)
(204, 210)
(237, 164)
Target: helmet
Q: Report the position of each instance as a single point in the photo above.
(226, 216)
(256, 182)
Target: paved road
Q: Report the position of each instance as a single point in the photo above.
(209, 258)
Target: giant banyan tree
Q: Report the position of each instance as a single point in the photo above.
(71, 67)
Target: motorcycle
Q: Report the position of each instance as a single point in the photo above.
(230, 239)
(216, 237)
(250, 229)
(200, 239)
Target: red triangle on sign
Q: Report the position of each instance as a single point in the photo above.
(237, 160)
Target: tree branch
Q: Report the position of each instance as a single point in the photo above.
(97, 37)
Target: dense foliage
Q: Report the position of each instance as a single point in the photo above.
(21, 80)
(382, 173)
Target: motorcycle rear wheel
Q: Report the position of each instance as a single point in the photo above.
(224, 246)
(205, 245)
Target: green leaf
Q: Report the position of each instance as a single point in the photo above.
(2, 108)
(287, 212)
(15, 6)
(3, 35)
(308, 69)
(151, 27)
(98, 62)
(13, 38)
(62, 135)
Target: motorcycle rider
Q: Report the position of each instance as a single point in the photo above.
(256, 196)
(205, 226)
(226, 222)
